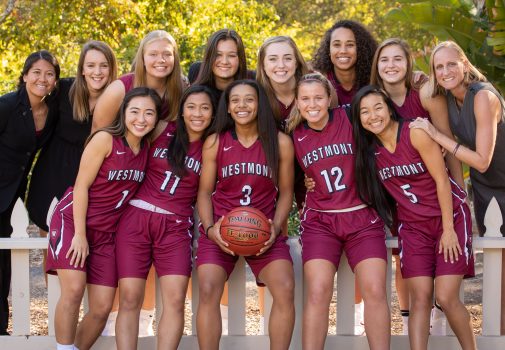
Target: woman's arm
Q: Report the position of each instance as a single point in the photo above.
(205, 190)
(437, 108)
(432, 157)
(487, 111)
(285, 185)
(92, 158)
(108, 105)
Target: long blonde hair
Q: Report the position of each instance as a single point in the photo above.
(295, 117)
(472, 74)
(79, 93)
(173, 84)
(264, 80)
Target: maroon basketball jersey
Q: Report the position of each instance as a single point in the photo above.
(344, 96)
(407, 179)
(285, 110)
(412, 106)
(162, 187)
(243, 177)
(116, 182)
(328, 157)
(128, 80)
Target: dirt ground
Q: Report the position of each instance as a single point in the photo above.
(39, 321)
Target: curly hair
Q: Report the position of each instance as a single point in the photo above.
(365, 46)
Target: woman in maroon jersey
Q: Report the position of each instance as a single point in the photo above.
(280, 66)
(157, 225)
(84, 221)
(245, 134)
(434, 222)
(345, 58)
(334, 218)
(392, 70)
(157, 66)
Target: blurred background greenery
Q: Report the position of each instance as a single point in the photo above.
(62, 26)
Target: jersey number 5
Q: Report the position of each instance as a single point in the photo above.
(412, 197)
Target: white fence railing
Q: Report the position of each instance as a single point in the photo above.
(491, 245)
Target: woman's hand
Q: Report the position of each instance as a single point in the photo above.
(78, 251)
(274, 232)
(214, 234)
(310, 184)
(423, 123)
(449, 245)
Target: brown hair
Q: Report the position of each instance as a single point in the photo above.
(264, 80)
(79, 93)
(375, 78)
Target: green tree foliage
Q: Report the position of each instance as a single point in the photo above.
(62, 27)
(306, 21)
(478, 29)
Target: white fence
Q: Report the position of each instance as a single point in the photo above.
(491, 245)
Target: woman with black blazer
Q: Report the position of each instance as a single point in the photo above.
(27, 118)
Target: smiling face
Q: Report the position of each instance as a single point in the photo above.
(140, 116)
(280, 62)
(159, 59)
(95, 70)
(40, 79)
(449, 68)
(374, 113)
(197, 113)
(227, 62)
(343, 50)
(392, 65)
(313, 102)
(243, 104)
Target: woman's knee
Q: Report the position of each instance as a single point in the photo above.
(209, 291)
(130, 299)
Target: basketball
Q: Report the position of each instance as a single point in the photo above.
(246, 230)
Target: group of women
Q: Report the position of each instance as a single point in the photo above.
(158, 147)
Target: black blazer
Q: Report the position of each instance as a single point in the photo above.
(18, 141)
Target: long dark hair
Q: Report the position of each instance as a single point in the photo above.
(118, 127)
(34, 57)
(178, 147)
(267, 128)
(370, 189)
(206, 76)
(365, 48)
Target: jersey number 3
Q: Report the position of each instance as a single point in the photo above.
(247, 191)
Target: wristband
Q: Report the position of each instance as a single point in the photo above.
(207, 230)
(455, 150)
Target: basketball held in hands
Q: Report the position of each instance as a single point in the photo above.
(246, 230)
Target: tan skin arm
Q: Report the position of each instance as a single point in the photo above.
(93, 156)
(434, 161)
(437, 108)
(285, 185)
(206, 188)
(108, 105)
(487, 110)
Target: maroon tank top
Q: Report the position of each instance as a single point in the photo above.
(328, 157)
(412, 106)
(407, 179)
(243, 177)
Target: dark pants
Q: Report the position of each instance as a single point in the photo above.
(5, 268)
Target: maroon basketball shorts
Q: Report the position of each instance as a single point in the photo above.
(419, 243)
(209, 253)
(145, 237)
(325, 235)
(100, 265)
